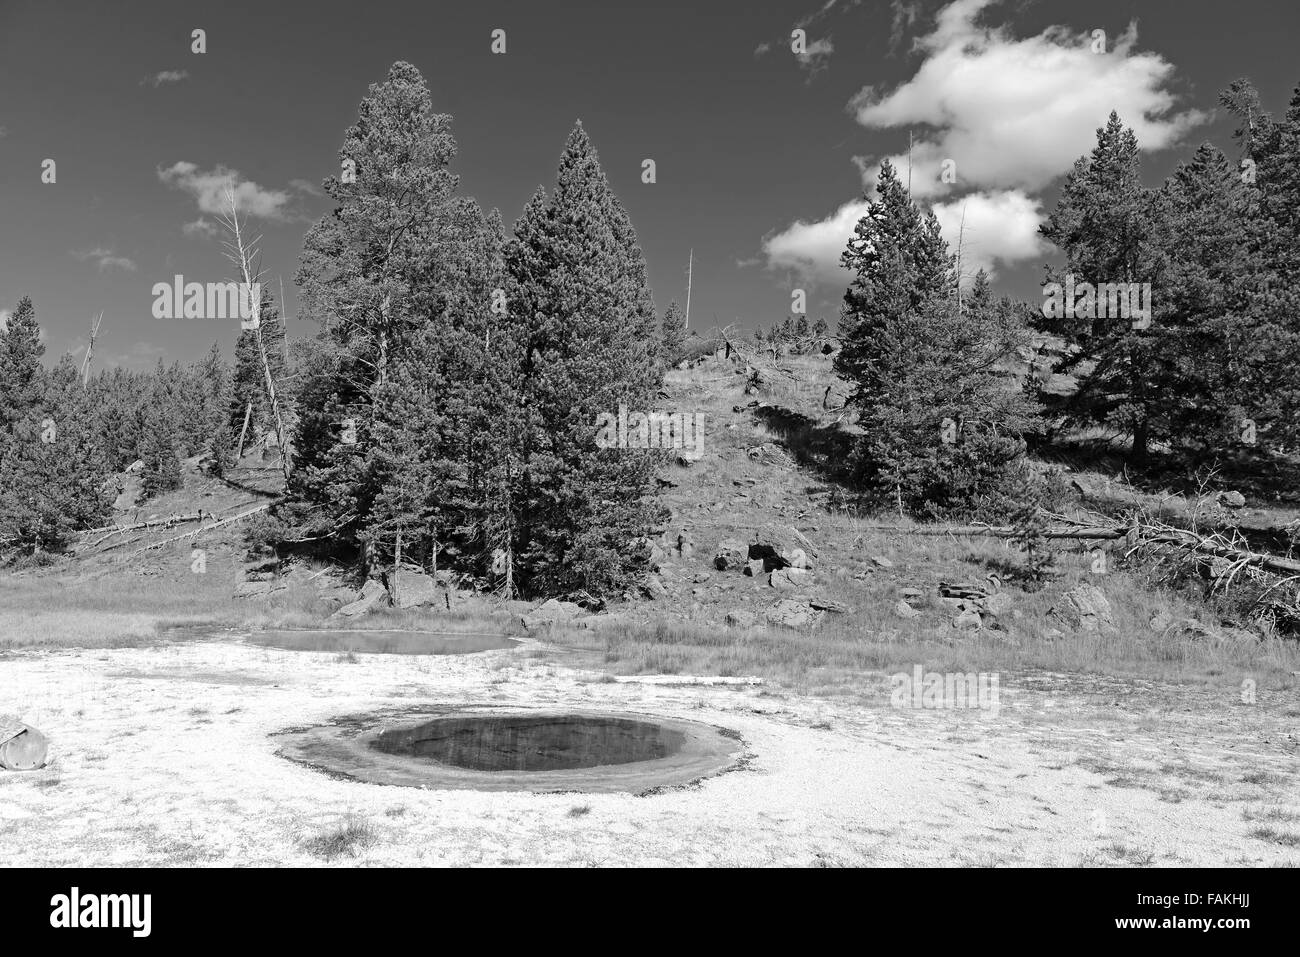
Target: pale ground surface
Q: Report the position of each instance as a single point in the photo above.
(164, 756)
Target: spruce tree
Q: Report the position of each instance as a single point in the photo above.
(21, 373)
(674, 334)
(584, 297)
(53, 473)
(372, 274)
(1106, 223)
(941, 426)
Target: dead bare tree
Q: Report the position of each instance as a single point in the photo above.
(90, 350)
(245, 255)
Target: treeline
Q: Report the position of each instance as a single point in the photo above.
(65, 433)
(1201, 369)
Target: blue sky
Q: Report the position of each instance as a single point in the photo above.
(761, 154)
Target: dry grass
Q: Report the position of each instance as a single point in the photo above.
(355, 834)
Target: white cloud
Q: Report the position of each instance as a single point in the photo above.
(306, 186)
(812, 249)
(1012, 114)
(201, 228)
(1016, 113)
(104, 259)
(1001, 228)
(209, 188)
(166, 76)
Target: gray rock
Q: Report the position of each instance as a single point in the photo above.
(1231, 499)
(372, 595)
(775, 546)
(415, 590)
(880, 561)
(654, 589)
(790, 579)
(741, 618)
(904, 610)
(1086, 608)
(789, 613)
(730, 556)
(754, 568)
(828, 604)
(968, 620)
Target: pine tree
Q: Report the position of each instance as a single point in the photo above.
(53, 474)
(21, 374)
(584, 296)
(372, 273)
(1106, 223)
(941, 425)
(674, 334)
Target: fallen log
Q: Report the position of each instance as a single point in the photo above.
(157, 522)
(200, 531)
(1166, 536)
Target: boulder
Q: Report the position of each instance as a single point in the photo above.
(754, 567)
(1231, 499)
(654, 589)
(775, 546)
(730, 556)
(788, 613)
(968, 620)
(790, 579)
(799, 559)
(22, 747)
(829, 604)
(372, 594)
(903, 610)
(417, 590)
(1086, 608)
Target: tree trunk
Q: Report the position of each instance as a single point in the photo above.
(248, 414)
(1141, 438)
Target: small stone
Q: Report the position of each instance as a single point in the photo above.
(880, 561)
(904, 610)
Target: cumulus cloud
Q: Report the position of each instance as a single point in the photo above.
(1016, 113)
(1000, 228)
(1010, 114)
(812, 249)
(306, 186)
(104, 259)
(166, 76)
(200, 229)
(209, 188)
